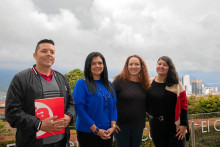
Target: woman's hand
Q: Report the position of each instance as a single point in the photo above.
(110, 131)
(103, 134)
(117, 129)
(181, 132)
(100, 132)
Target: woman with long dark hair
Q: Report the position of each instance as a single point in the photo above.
(131, 86)
(95, 102)
(167, 106)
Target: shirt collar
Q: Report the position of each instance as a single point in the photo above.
(45, 77)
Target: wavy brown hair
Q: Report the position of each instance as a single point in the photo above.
(144, 76)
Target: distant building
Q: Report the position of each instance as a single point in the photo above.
(186, 84)
(197, 87)
(210, 90)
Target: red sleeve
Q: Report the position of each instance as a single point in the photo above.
(183, 100)
(181, 103)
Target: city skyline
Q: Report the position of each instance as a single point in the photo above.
(8, 75)
(197, 86)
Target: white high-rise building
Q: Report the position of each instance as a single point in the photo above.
(186, 84)
(197, 87)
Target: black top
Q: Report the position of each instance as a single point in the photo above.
(161, 102)
(131, 99)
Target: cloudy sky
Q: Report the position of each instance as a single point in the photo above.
(187, 31)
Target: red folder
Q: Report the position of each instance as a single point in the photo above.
(48, 107)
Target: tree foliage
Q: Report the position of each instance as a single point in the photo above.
(192, 101)
(3, 129)
(210, 104)
(204, 104)
(73, 76)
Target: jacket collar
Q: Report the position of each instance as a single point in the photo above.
(35, 71)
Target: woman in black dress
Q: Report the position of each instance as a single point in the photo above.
(167, 106)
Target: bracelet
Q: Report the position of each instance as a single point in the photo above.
(114, 126)
(96, 131)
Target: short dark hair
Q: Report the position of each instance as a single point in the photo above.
(44, 41)
(89, 77)
(172, 75)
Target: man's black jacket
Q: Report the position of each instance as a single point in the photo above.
(20, 110)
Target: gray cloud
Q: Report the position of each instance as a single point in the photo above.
(186, 31)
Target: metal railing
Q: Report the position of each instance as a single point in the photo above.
(205, 129)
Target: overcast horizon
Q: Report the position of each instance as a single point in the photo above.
(186, 31)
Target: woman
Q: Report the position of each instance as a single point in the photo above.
(130, 87)
(95, 102)
(167, 106)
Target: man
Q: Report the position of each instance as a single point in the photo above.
(39, 82)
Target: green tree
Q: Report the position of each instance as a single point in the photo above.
(192, 104)
(3, 129)
(203, 104)
(210, 104)
(73, 76)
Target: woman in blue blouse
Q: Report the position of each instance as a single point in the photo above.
(95, 102)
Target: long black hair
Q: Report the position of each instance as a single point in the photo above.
(89, 77)
(172, 76)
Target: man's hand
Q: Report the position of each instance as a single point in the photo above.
(48, 125)
(66, 120)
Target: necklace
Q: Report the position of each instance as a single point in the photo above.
(106, 97)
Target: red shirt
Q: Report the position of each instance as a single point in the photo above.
(47, 78)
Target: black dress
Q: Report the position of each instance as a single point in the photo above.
(161, 104)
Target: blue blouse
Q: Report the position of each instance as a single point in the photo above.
(91, 108)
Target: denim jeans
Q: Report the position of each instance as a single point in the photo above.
(128, 136)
